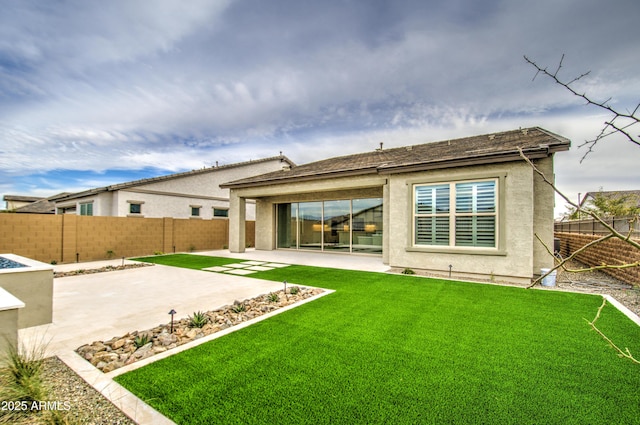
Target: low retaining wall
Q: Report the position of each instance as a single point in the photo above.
(611, 252)
(33, 285)
(9, 309)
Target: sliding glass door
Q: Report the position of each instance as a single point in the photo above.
(334, 225)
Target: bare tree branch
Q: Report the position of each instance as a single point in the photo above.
(611, 126)
(626, 353)
(613, 232)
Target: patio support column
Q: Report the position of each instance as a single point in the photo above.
(237, 222)
(386, 222)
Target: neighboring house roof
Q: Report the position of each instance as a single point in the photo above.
(21, 198)
(612, 194)
(43, 205)
(128, 185)
(489, 148)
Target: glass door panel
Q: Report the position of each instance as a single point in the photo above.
(287, 216)
(337, 225)
(310, 225)
(367, 225)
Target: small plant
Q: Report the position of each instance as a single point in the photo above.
(198, 320)
(273, 297)
(158, 253)
(192, 248)
(54, 262)
(23, 373)
(408, 271)
(110, 253)
(239, 308)
(294, 290)
(141, 340)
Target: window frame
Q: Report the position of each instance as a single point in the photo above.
(85, 207)
(134, 214)
(500, 203)
(196, 209)
(213, 212)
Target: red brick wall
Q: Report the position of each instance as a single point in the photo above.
(610, 252)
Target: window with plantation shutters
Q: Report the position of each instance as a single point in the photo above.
(432, 215)
(460, 214)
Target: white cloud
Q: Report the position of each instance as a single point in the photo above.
(122, 85)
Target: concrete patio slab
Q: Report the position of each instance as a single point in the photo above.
(100, 306)
(259, 268)
(240, 272)
(276, 265)
(237, 265)
(218, 269)
(372, 263)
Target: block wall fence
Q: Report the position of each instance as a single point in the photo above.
(72, 238)
(612, 251)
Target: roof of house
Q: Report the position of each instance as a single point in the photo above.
(613, 194)
(128, 185)
(489, 148)
(21, 198)
(42, 205)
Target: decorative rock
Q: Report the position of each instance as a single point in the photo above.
(121, 351)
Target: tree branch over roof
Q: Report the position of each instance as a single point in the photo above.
(620, 123)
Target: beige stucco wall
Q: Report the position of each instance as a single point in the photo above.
(514, 256)
(525, 208)
(33, 285)
(543, 206)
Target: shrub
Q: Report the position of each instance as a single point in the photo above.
(239, 308)
(273, 297)
(198, 320)
(408, 271)
(23, 374)
(141, 340)
(294, 290)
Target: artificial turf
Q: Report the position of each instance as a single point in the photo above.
(402, 349)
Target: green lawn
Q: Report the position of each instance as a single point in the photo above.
(403, 349)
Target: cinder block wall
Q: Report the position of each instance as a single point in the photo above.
(611, 252)
(36, 236)
(71, 238)
(196, 235)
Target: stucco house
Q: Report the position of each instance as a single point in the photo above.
(193, 194)
(13, 202)
(468, 207)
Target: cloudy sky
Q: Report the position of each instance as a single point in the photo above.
(100, 92)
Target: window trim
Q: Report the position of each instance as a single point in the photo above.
(500, 248)
(131, 214)
(85, 204)
(213, 212)
(198, 208)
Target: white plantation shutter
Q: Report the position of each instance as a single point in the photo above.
(456, 214)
